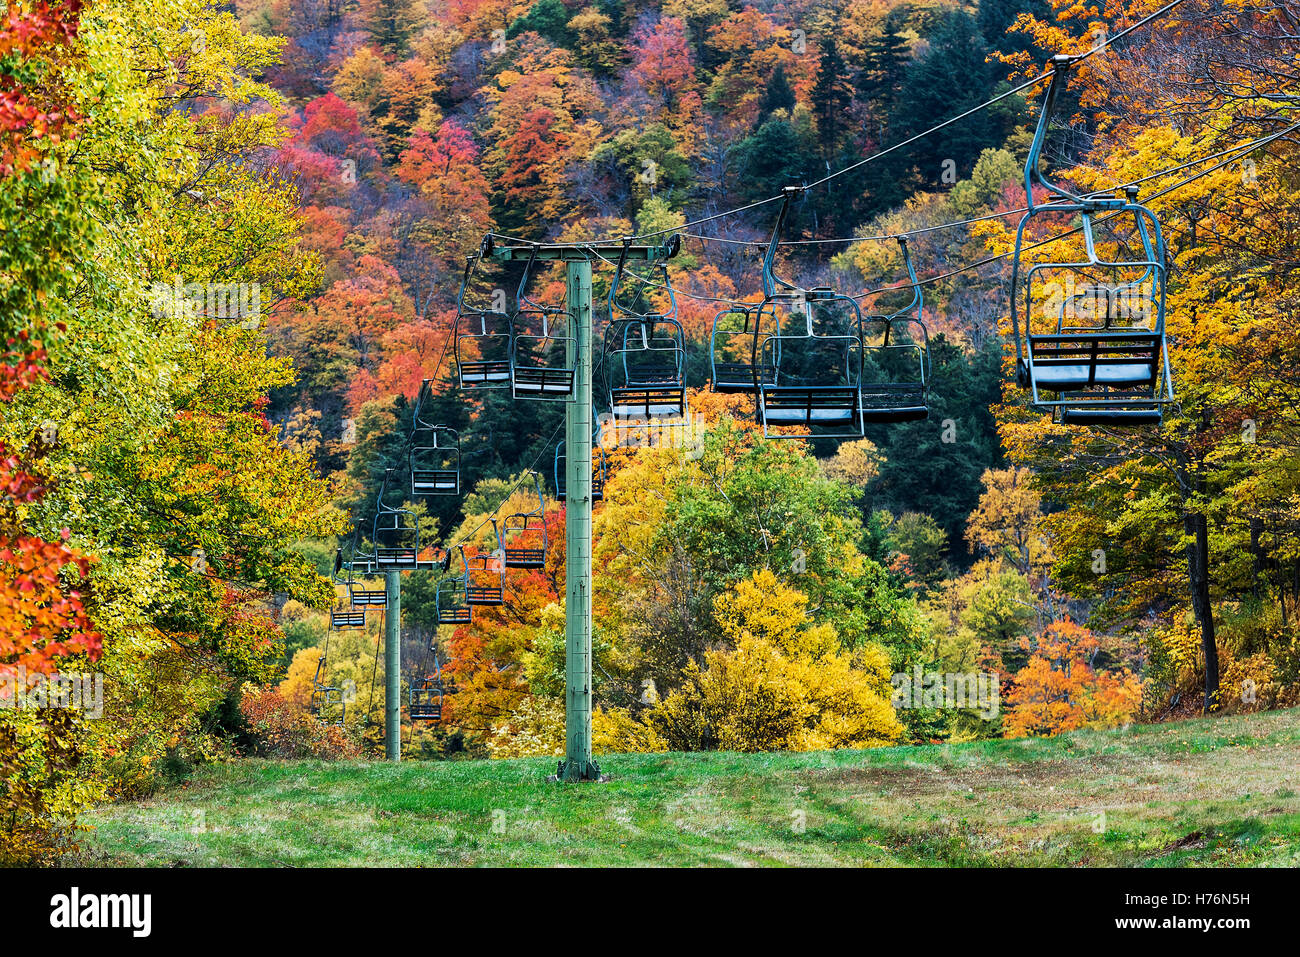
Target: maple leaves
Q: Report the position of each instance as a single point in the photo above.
(41, 618)
(1060, 689)
(663, 62)
(33, 107)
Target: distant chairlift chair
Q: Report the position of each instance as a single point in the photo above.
(350, 616)
(816, 354)
(483, 336)
(450, 600)
(395, 532)
(896, 378)
(359, 597)
(434, 457)
(485, 574)
(1105, 360)
(644, 354)
(426, 695)
(734, 355)
(598, 474)
(327, 702)
(543, 348)
(523, 534)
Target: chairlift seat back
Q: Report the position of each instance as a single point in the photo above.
(525, 557)
(426, 711)
(735, 377)
(645, 402)
(484, 594)
(1114, 415)
(435, 482)
(891, 402)
(542, 382)
(799, 405)
(369, 597)
(482, 373)
(348, 619)
(1074, 361)
(396, 556)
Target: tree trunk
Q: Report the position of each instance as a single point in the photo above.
(1257, 553)
(1198, 573)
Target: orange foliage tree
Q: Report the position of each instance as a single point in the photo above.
(1060, 689)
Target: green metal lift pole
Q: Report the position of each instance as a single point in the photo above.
(578, 764)
(393, 667)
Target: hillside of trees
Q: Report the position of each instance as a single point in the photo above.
(174, 484)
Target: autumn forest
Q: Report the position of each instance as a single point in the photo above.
(233, 290)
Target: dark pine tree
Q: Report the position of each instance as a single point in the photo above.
(884, 63)
(994, 17)
(778, 96)
(772, 157)
(832, 95)
(549, 19)
(951, 78)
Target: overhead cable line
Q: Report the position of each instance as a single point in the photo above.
(1014, 91)
(1233, 153)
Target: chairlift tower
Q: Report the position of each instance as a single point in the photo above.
(578, 764)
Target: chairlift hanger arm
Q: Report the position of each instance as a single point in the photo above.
(510, 252)
(522, 299)
(1060, 64)
(770, 280)
(471, 262)
(918, 300)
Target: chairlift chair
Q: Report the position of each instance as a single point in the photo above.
(543, 348)
(524, 536)
(325, 698)
(598, 475)
(896, 346)
(734, 354)
(817, 362)
(343, 618)
(484, 574)
(395, 532)
(1104, 358)
(434, 457)
(450, 600)
(426, 695)
(483, 337)
(367, 597)
(644, 355)
(354, 616)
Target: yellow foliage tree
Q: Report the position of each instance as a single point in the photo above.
(784, 685)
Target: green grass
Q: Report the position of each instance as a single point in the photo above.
(1215, 791)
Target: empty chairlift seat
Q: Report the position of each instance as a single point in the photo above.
(484, 574)
(1089, 326)
(811, 341)
(524, 536)
(354, 615)
(543, 348)
(362, 597)
(434, 458)
(348, 618)
(597, 474)
(451, 603)
(896, 359)
(327, 702)
(817, 357)
(395, 531)
(644, 354)
(735, 353)
(483, 336)
(426, 699)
